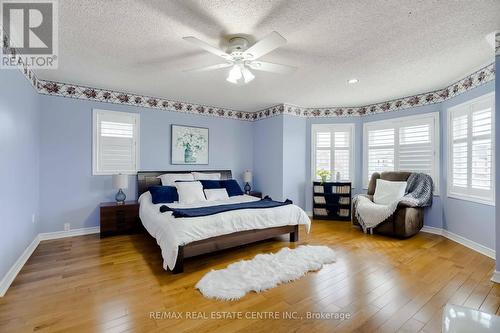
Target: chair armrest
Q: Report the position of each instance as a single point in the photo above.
(370, 197)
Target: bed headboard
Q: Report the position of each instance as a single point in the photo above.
(145, 179)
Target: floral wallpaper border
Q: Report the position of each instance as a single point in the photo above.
(53, 88)
(473, 80)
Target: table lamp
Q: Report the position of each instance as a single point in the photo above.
(120, 182)
(247, 178)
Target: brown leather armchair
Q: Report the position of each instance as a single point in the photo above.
(406, 221)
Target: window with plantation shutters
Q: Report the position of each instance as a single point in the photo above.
(470, 141)
(402, 144)
(116, 142)
(332, 150)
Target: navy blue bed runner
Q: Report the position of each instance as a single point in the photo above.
(211, 210)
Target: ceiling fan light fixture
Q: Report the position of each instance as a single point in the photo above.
(234, 74)
(247, 75)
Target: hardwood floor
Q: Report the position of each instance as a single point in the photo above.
(117, 284)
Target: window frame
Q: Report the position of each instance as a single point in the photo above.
(332, 128)
(396, 124)
(95, 142)
(460, 108)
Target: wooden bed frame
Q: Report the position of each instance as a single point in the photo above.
(145, 179)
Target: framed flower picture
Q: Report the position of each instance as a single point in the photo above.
(189, 145)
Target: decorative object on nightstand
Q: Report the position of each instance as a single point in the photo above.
(120, 182)
(332, 201)
(119, 218)
(247, 178)
(255, 194)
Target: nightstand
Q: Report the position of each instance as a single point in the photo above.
(119, 219)
(255, 194)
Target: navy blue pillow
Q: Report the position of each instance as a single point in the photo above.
(163, 194)
(231, 187)
(210, 184)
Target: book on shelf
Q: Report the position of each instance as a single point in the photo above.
(343, 212)
(319, 200)
(319, 189)
(342, 189)
(344, 200)
(320, 212)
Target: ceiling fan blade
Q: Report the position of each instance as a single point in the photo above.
(266, 45)
(270, 67)
(207, 47)
(209, 68)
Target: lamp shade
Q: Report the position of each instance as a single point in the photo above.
(120, 181)
(247, 176)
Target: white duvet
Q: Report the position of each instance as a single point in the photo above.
(170, 232)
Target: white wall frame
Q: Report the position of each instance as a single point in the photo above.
(333, 128)
(396, 124)
(466, 109)
(96, 115)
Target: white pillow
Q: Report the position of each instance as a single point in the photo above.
(205, 176)
(216, 194)
(190, 192)
(169, 179)
(386, 192)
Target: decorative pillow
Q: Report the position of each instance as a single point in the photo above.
(190, 192)
(216, 194)
(163, 194)
(169, 179)
(210, 184)
(205, 176)
(386, 192)
(231, 187)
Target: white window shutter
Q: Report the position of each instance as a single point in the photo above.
(416, 151)
(115, 142)
(471, 150)
(332, 150)
(380, 150)
(403, 144)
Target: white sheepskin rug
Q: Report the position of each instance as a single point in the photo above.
(264, 271)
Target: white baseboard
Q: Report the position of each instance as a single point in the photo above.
(461, 240)
(70, 233)
(496, 277)
(18, 265)
(432, 230)
(310, 214)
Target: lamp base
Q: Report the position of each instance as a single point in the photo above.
(247, 188)
(120, 197)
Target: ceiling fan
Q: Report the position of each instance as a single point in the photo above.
(241, 58)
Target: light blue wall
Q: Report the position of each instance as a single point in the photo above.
(19, 135)
(69, 192)
(280, 157)
(468, 219)
(294, 159)
(268, 157)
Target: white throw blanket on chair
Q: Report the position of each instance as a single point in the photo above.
(370, 214)
(418, 193)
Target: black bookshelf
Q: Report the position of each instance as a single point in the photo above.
(332, 201)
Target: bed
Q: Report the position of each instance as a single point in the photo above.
(181, 238)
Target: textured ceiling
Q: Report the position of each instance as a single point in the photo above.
(395, 48)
